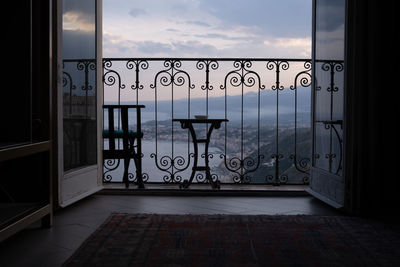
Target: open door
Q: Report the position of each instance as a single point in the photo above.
(79, 100)
(327, 179)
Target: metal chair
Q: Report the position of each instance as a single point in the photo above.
(129, 150)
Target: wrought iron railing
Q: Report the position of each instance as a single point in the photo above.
(79, 113)
(328, 115)
(267, 102)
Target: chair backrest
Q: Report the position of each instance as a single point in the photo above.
(113, 133)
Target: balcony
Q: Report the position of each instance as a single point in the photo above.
(267, 140)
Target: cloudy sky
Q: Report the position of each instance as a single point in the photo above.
(207, 28)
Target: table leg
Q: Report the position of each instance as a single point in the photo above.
(187, 183)
(214, 185)
(206, 168)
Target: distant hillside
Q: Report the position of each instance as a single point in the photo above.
(216, 106)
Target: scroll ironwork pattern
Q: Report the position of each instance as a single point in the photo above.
(120, 74)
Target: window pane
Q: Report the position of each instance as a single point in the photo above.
(329, 84)
(79, 83)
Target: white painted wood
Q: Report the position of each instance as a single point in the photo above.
(324, 185)
(327, 187)
(77, 184)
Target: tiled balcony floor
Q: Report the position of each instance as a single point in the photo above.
(72, 225)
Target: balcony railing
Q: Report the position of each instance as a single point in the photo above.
(267, 102)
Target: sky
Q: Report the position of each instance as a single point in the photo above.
(207, 28)
(192, 28)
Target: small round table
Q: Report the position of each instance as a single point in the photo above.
(188, 124)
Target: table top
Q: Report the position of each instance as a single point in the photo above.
(201, 120)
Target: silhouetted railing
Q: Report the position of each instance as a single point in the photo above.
(79, 113)
(267, 102)
(259, 144)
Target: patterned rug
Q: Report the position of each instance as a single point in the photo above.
(237, 240)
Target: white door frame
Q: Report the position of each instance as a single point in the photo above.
(79, 183)
(324, 185)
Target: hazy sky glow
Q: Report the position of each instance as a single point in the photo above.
(207, 28)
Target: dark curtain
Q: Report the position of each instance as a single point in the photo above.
(372, 108)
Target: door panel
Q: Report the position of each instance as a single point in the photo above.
(327, 181)
(80, 101)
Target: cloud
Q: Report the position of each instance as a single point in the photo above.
(266, 42)
(221, 36)
(293, 42)
(150, 47)
(195, 48)
(172, 30)
(197, 23)
(88, 8)
(136, 12)
(78, 44)
(223, 28)
(301, 46)
(334, 12)
(117, 46)
(78, 21)
(331, 44)
(79, 17)
(289, 18)
(184, 48)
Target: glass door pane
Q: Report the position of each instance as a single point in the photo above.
(79, 83)
(329, 81)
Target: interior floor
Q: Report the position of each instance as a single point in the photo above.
(36, 246)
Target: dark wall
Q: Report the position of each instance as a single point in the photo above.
(372, 108)
(15, 101)
(25, 74)
(25, 101)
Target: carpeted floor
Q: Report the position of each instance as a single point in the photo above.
(236, 240)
